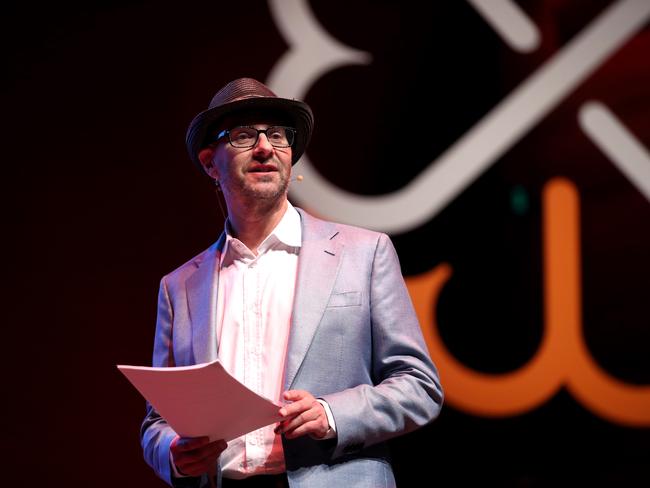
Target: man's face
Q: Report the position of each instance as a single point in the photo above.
(261, 172)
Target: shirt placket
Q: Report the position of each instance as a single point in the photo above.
(253, 328)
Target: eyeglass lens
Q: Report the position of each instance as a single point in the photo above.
(278, 136)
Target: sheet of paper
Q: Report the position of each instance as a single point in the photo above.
(202, 400)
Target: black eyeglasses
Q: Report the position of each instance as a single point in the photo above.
(246, 136)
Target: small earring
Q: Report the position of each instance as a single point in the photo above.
(216, 183)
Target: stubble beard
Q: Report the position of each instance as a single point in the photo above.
(260, 196)
(264, 190)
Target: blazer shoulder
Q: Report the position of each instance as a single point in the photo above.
(332, 230)
(185, 270)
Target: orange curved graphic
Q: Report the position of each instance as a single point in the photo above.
(562, 358)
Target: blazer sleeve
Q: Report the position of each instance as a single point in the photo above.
(155, 434)
(406, 393)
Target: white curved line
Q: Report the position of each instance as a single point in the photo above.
(482, 145)
(509, 21)
(618, 144)
(312, 51)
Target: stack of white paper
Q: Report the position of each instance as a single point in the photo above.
(202, 400)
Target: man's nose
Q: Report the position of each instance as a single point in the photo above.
(263, 147)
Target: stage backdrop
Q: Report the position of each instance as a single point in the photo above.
(503, 144)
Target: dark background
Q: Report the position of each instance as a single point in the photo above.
(102, 200)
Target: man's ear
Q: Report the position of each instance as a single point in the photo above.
(205, 157)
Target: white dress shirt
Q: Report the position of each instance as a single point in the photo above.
(254, 304)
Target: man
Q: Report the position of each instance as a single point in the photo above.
(308, 313)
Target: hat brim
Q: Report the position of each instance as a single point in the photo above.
(299, 113)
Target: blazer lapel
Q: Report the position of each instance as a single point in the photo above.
(201, 289)
(318, 264)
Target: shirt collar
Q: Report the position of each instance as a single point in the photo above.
(288, 232)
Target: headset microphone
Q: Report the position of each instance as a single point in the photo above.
(297, 178)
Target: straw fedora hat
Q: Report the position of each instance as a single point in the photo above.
(249, 94)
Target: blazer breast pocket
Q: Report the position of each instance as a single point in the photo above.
(345, 299)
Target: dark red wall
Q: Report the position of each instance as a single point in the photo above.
(102, 201)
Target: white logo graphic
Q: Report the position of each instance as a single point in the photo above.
(313, 52)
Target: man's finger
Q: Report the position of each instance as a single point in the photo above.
(293, 395)
(189, 443)
(207, 451)
(313, 427)
(198, 461)
(295, 408)
(301, 400)
(211, 450)
(195, 468)
(312, 414)
(297, 395)
(296, 421)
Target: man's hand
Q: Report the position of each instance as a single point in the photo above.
(305, 415)
(194, 456)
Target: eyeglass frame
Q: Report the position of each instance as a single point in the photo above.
(226, 132)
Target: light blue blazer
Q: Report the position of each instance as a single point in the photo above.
(355, 341)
